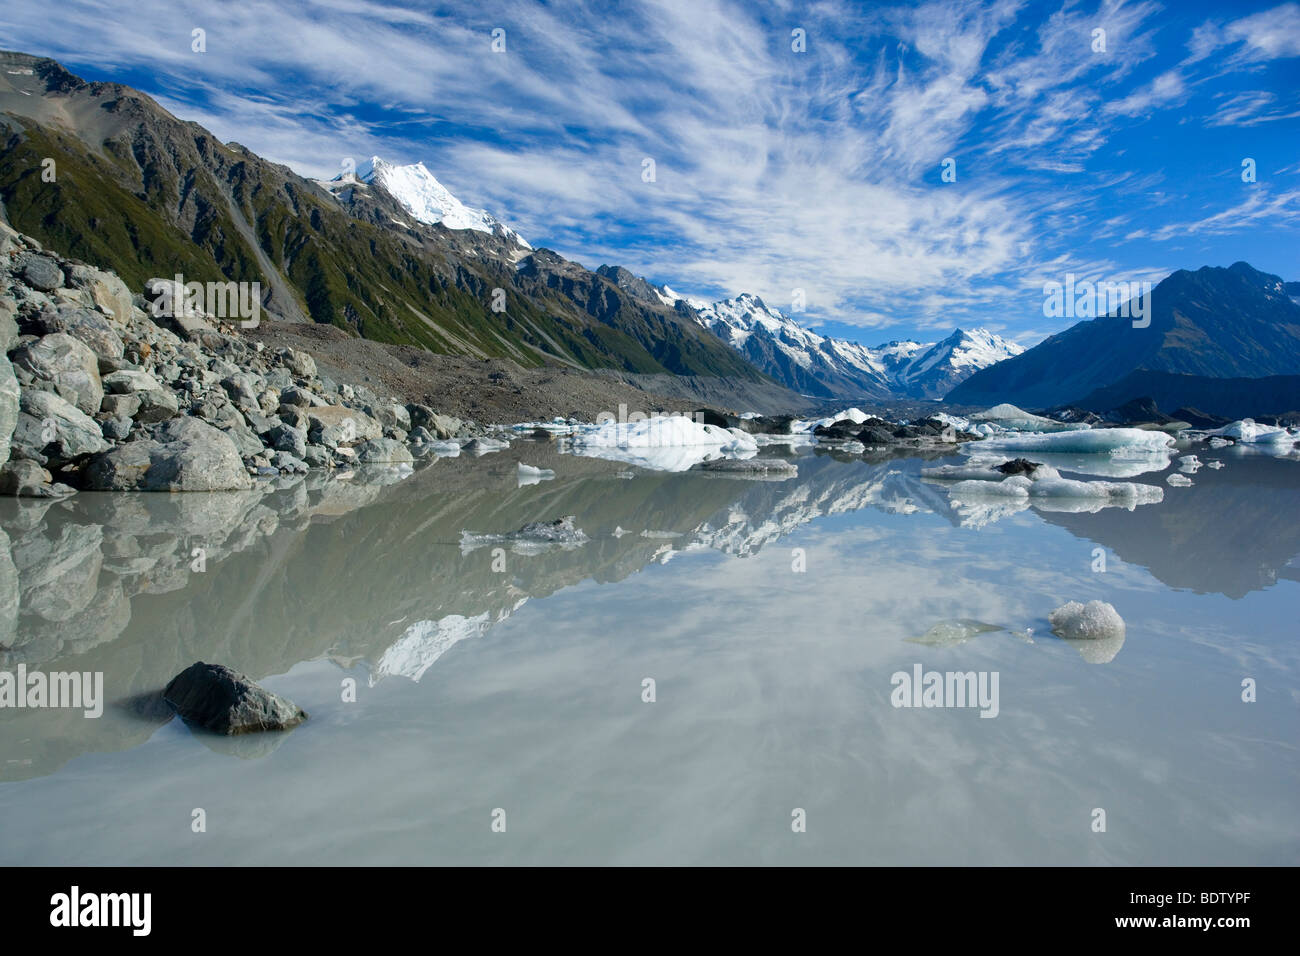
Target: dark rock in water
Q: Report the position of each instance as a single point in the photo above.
(707, 416)
(767, 424)
(875, 422)
(908, 431)
(843, 430)
(1018, 466)
(1199, 419)
(541, 434)
(226, 702)
(875, 435)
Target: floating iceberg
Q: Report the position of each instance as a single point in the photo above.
(663, 443)
(1125, 442)
(1017, 419)
(1250, 432)
(1179, 480)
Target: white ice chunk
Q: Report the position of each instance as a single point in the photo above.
(1093, 621)
(1091, 441)
(1179, 480)
(1251, 432)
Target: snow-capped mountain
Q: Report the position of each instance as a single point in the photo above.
(428, 200)
(822, 366)
(935, 370)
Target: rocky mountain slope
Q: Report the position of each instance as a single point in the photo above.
(1214, 323)
(146, 194)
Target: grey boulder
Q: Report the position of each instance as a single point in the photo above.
(224, 701)
(185, 454)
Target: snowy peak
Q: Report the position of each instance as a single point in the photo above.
(428, 200)
(803, 359)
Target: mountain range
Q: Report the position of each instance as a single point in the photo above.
(146, 194)
(836, 368)
(1206, 327)
(387, 253)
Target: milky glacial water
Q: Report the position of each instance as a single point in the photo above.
(520, 689)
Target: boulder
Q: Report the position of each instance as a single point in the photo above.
(334, 425)
(27, 479)
(65, 362)
(126, 381)
(224, 701)
(185, 454)
(299, 363)
(107, 291)
(39, 271)
(289, 439)
(85, 325)
(157, 406)
(10, 396)
(8, 323)
(51, 430)
(382, 450)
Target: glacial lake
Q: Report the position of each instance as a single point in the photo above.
(509, 687)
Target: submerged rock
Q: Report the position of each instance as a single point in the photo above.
(954, 632)
(224, 701)
(750, 467)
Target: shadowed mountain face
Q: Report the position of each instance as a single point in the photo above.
(143, 193)
(375, 574)
(1230, 533)
(1212, 323)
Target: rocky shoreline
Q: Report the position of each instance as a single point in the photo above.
(98, 393)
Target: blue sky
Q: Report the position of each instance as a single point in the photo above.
(775, 170)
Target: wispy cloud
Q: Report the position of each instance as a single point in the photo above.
(774, 169)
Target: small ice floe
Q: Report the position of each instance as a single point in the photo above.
(483, 446)
(528, 475)
(446, 449)
(1189, 464)
(625, 474)
(1094, 629)
(532, 538)
(1214, 463)
(1179, 480)
(619, 531)
(954, 632)
(661, 535)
